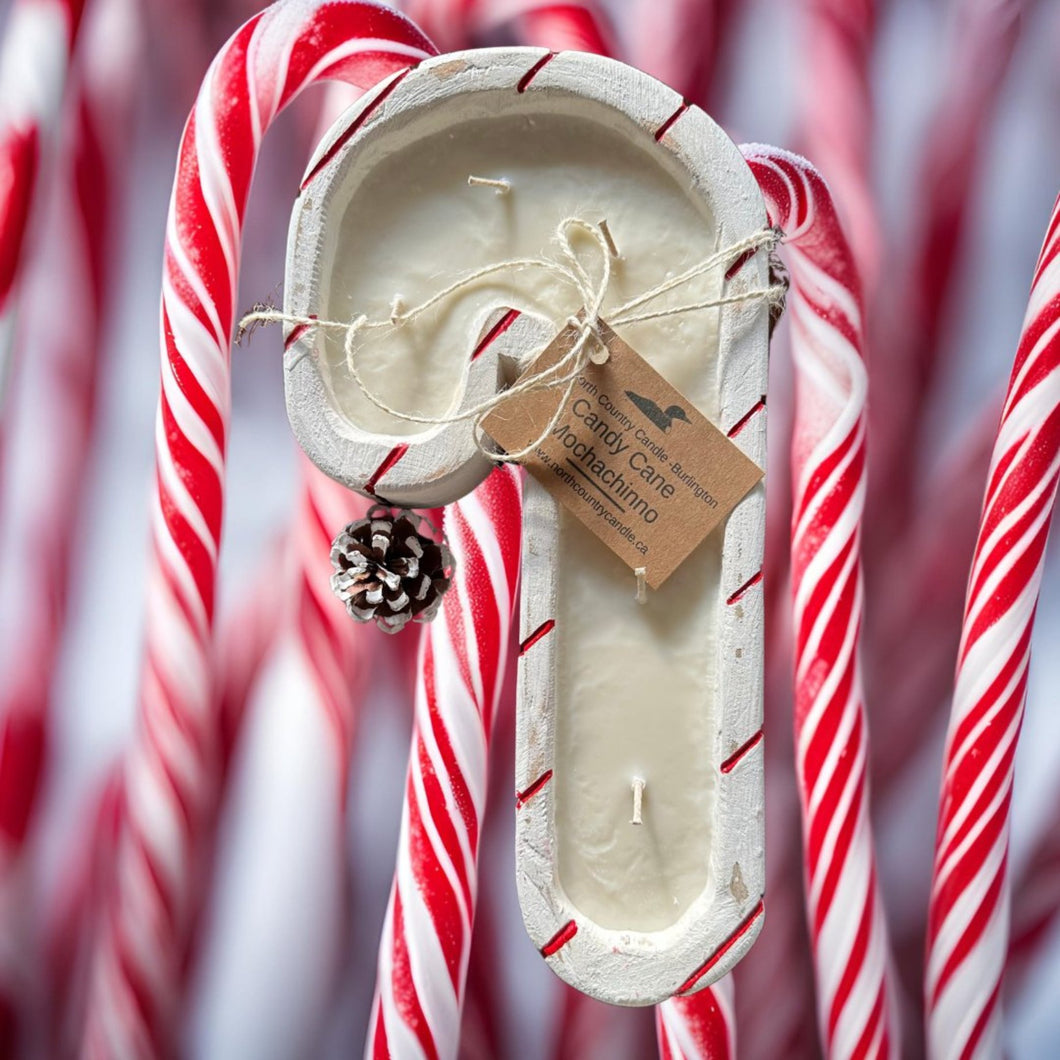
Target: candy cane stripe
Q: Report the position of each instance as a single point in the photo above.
(849, 935)
(700, 1027)
(968, 920)
(427, 933)
(174, 763)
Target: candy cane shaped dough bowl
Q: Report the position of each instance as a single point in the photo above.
(437, 213)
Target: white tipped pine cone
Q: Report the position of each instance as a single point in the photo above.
(388, 571)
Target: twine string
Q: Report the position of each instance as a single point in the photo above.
(589, 346)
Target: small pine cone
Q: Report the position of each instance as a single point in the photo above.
(388, 571)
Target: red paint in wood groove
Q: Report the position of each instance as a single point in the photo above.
(296, 333)
(392, 458)
(495, 332)
(739, 263)
(524, 81)
(727, 945)
(361, 118)
(745, 588)
(737, 756)
(742, 422)
(668, 124)
(560, 939)
(523, 797)
(542, 631)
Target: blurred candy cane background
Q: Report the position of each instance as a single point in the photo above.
(934, 124)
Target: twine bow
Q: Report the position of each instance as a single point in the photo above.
(589, 347)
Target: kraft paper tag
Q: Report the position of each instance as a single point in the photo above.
(631, 457)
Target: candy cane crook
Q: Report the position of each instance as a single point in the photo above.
(423, 954)
(968, 921)
(172, 767)
(831, 742)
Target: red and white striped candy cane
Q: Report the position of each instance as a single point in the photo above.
(968, 921)
(847, 924)
(75, 260)
(72, 264)
(912, 672)
(700, 1027)
(423, 953)
(38, 42)
(838, 121)
(172, 767)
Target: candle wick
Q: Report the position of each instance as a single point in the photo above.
(609, 239)
(642, 585)
(638, 797)
(502, 187)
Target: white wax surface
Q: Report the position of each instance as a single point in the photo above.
(634, 690)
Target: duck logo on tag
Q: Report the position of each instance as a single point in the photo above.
(662, 418)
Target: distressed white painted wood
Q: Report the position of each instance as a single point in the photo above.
(626, 967)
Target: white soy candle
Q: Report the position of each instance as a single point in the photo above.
(414, 225)
(631, 678)
(621, 709)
